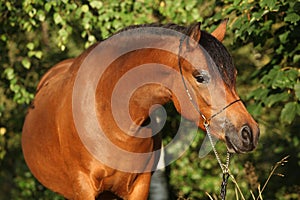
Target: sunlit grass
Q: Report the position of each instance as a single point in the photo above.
(238, 192)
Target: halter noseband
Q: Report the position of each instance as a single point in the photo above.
(206, 122)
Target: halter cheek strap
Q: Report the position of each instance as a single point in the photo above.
(223, 109)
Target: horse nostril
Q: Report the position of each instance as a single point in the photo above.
(246, 134)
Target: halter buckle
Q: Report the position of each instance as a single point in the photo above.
(205, 121)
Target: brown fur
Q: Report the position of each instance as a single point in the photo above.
(55, 153)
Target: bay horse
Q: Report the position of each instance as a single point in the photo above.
(87, 131)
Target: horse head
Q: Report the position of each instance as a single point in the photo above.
(209, 77)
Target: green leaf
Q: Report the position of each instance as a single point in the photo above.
(3, 38)
(48, 6)
(38, 54)
(268, 3)
(41, 15)
(293, 18)
(9, 73)
(258, 94)
(91, 38)
(297, 90)
(255, 109)
(283, 37)
(296, 58)
(236, 2)
(274, 98)
(30, 46)
(84, 8)
(288, 113)
(298, 109)
(57, 18)
(96, 4)
(26, 63)
(285, 79)
(32, 12)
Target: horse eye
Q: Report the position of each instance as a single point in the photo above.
(202, 78)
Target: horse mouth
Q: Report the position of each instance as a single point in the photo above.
(231, 147)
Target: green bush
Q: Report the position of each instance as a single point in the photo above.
(263, 37)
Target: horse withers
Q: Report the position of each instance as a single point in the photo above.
(88, 131)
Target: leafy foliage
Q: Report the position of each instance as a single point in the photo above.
(272, 27)
(264, 37)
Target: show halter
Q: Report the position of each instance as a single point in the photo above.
(206, 123)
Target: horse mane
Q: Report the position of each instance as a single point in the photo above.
(214, 47)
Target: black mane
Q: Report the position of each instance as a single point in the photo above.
(214, 47)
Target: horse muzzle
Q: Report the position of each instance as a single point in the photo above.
(243, 139)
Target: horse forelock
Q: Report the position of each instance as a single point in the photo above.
(220, 56)
(214, 48)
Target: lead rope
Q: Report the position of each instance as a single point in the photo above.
(224, 168)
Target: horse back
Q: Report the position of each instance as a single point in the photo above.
(59, 68)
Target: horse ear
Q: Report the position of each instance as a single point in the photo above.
(195, 32)
(220, 31)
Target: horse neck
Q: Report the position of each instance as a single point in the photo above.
(131, 87)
